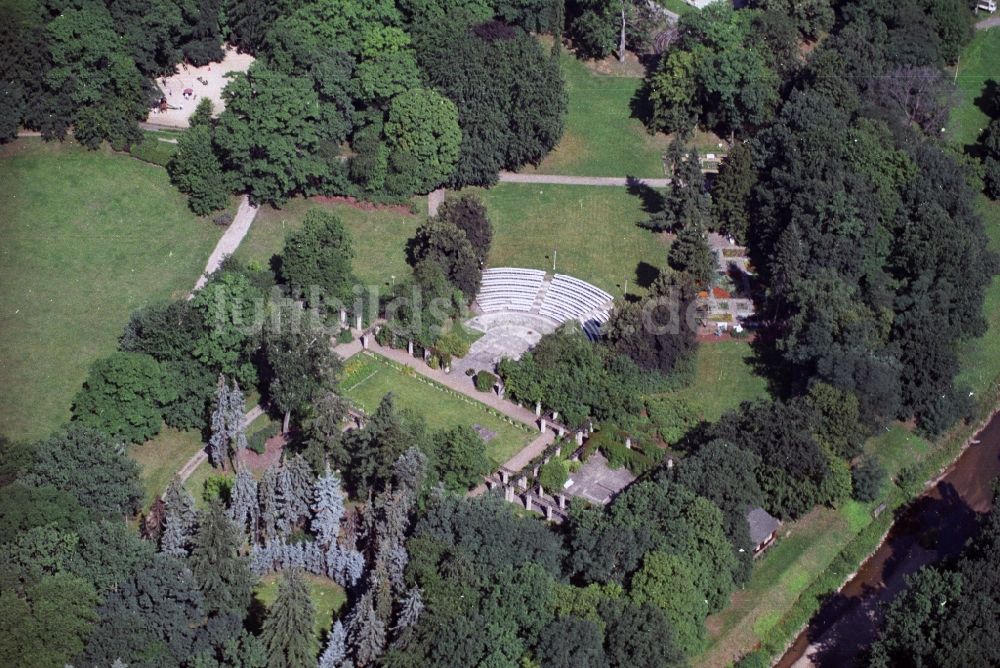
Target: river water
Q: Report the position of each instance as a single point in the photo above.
(932, 528)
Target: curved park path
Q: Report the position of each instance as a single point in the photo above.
(230, 240)
(201, 456)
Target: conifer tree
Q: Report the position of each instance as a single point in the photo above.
(366, 632)
(294, 493)
(181, 520)
(222, 573)
(409, 471)
(336, 648)
(328, 509)
(218, 442)
(243, 508)
(685, 201)
(409, 610)
(288, 629)
(267, 494)
(690, 253)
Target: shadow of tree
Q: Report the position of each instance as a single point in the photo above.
(646, 274)
(652, 201)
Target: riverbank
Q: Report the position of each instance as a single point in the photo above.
(872, 566)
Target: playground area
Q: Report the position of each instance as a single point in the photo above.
(184, 90)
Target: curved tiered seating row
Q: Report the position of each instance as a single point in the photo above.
(509, 289)
(570, 298)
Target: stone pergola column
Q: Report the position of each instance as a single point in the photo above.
(542, 425)
(523, 482)
(343, 318)
(364, 341)
(538, 409)
(562, 432)
(504, 476)
(579, 438)
(508, 494)
(357, 322)
(562, 502)
(558, 450)
(555, 415)
(527, 502)
(548, 513)
(628, 442)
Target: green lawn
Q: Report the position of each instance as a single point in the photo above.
(379, 236)
(601, 137)
(592, 230)
(88, 237)
(368, 377)
(162, 457)
(327, 597)
(980, 62)
(723, 379)
(677, 6)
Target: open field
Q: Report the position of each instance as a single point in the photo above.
(602, 137)
(379, 236)
(367, 378)
(723, 379)
(979, 63)
(592, 229)
(326, 595)
(88, 237)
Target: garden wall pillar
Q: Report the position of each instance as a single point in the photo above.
(343, 318)
(504, 476)
(409, 347)
(508, 494)
(562, 432)
(364, 341)
(527, 502)
(555, 415)
(558, 450)
(538, 409)
(523, 482)
(548, 513)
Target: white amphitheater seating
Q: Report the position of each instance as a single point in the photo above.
(565, 298)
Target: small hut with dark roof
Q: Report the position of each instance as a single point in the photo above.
(763, 529)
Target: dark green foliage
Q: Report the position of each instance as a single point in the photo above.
(731, 192)
(459, 458)
(638, 636)
(269, 133)
(92, 467)
(867, 480)
(727, 476)
(837, 425)
(485, 532)
(685, 202)
(658, 333)
(122, 397)
(15, 457)
(443, 243)
(108, 553)
(609, 545)
(248, 21)
(299, 361)
(422, 127)
(811, 18)
(49, 624)
(153, 617)
(222, 573)
(227, 305)
(468, 213)
(23, 507)
(553, 476)
(690, 253)
(188, 384)
(713, 75)
(793, 465)
(92, 71)
(484, 381)
(197, 172)
(287, 635)
(319, 256)
(576, 378)
(372, 451)
(990, 143)
(571, 642)
(510, 96)
(594, 27)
